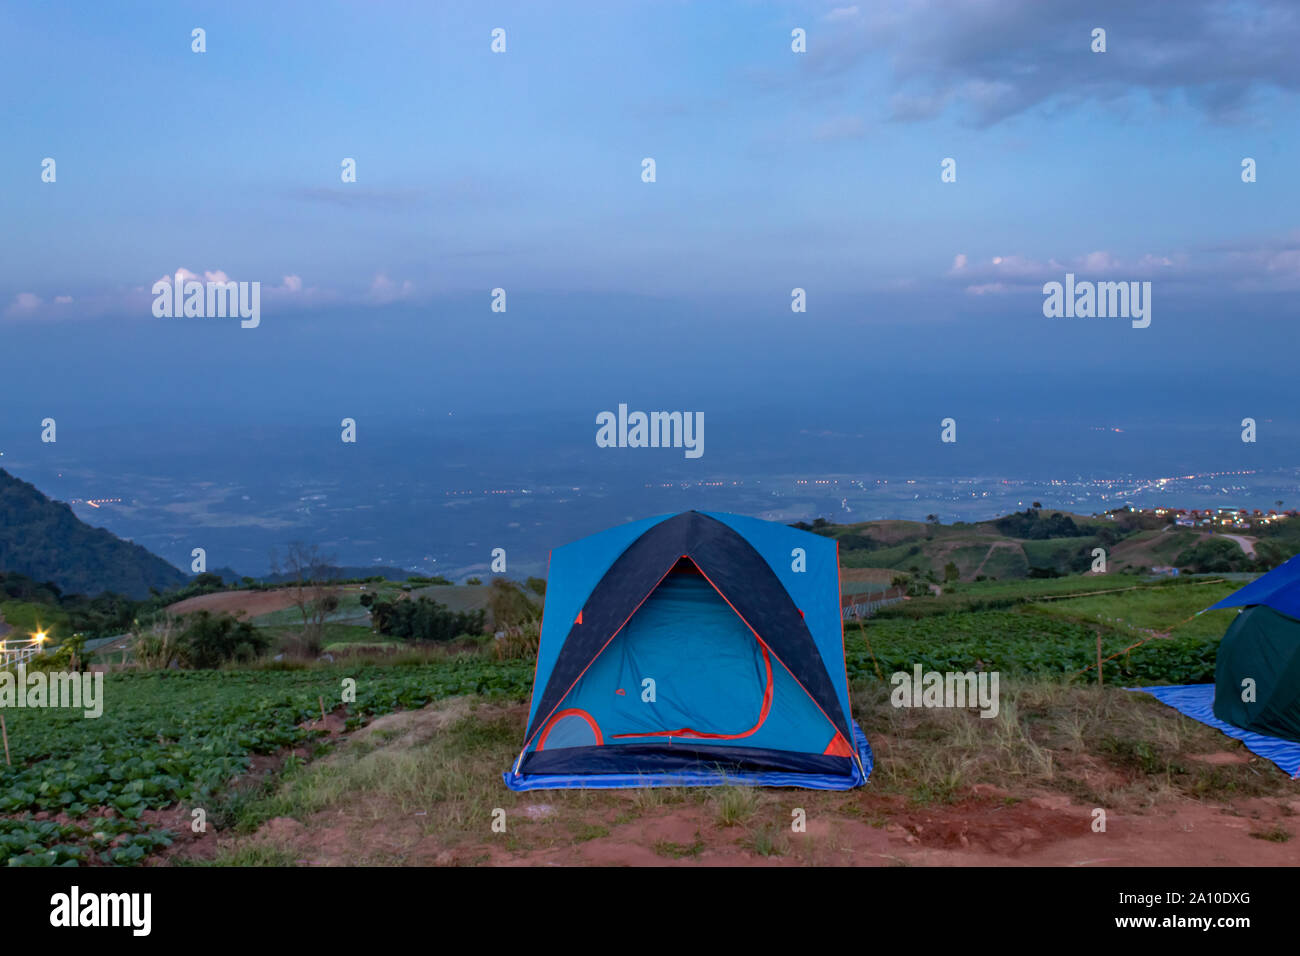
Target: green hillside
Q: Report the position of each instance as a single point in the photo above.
(1038, 543)
(1016, 546)
(45, 541)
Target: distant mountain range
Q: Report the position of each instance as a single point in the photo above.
(46, 541)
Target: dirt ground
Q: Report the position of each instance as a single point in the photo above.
(243, 604)
(1046, 830)
(984, 825)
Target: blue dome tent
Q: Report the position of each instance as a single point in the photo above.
(690, 650)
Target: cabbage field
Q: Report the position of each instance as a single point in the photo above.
(1032, 629)
(78, 788)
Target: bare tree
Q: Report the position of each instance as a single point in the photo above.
(309, 577)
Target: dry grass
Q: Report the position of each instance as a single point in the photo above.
(1107, 745)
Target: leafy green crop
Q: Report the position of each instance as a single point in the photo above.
(173, 737)
(1027, 641)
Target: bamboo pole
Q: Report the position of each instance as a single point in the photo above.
(5, 732)
(1099, 658)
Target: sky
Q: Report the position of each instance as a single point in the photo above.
(522, 170)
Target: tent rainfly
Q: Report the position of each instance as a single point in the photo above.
(690, 650)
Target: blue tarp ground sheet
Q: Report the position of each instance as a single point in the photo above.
(1197, 702)
(701, 778)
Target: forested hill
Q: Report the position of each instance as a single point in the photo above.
(45, 541)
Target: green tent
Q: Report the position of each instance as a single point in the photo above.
(1259, 657)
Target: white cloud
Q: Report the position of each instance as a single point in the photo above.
(842, 13)
(136, 300)
(1014, 273)
(384, 289)
(1098, 261)
(182, 274)
(185, 275)
(289, 285)
(24, 303)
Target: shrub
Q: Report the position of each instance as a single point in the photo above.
(210, 640)
(203, 640)
(423, 619)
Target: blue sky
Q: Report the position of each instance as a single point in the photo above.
(522, 170)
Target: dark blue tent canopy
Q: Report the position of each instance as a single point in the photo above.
(1279, 590)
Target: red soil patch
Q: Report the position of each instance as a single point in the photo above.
(245, 604)
(334, 724)
(1221, 757)
(1047, 830)
(185, 841)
